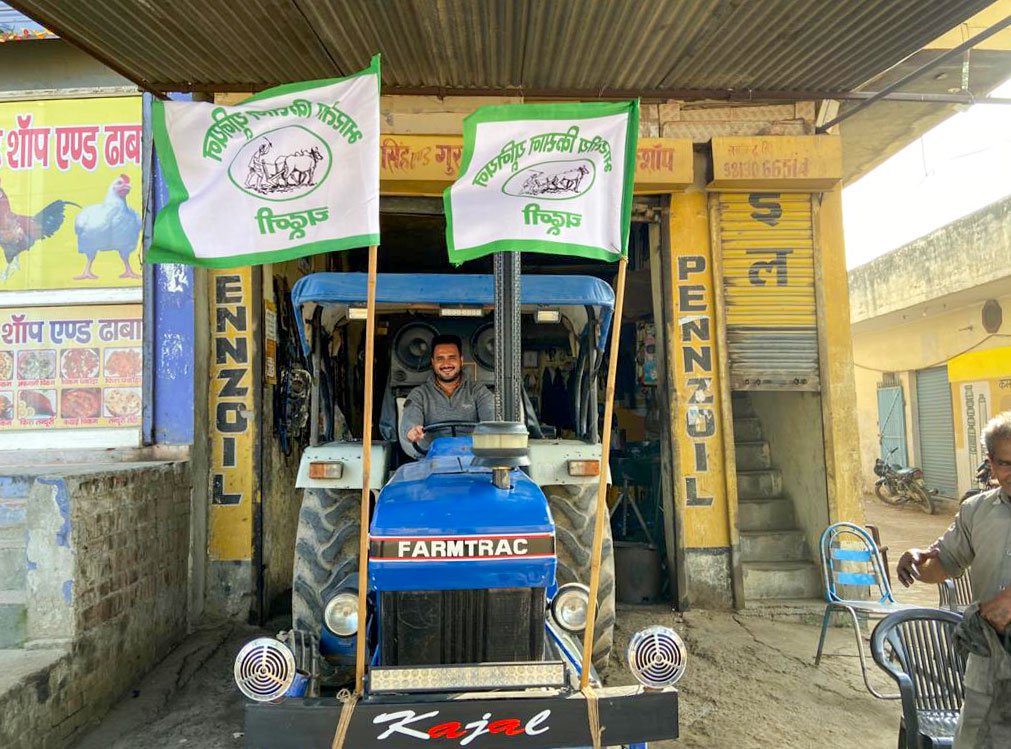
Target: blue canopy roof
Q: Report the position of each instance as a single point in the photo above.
(449, 289)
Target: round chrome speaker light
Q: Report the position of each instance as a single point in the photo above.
(264, 669)
(657, 656)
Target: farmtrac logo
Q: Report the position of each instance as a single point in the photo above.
(409, 723)
(461, 548)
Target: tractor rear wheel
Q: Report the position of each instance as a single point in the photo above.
(326, 552)
(572, 508)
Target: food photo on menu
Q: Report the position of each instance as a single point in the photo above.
(6, 405)
(36, 405)
(37, 365)
(79, 363)
(6, 366)
(123, 363)
(81, 403)
(121, 403)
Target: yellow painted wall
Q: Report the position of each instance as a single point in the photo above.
(904, 342)
(980, 389)
(842, 457)
(702, 497)
(976, 24)
(232, 415)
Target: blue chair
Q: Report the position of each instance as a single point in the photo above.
(916, 648)
(851, 565)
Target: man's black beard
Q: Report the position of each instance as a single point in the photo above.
(447, 381)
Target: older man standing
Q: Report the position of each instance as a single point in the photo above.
(979, 541)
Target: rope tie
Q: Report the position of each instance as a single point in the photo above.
(345, 720)
(593, 713)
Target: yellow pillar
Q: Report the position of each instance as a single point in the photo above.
(835, 344)
(232, 436)
(697, 413)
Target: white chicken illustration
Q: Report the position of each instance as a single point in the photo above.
(109, 226)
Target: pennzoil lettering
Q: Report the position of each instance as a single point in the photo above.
(231, 349)
(695, 341)
(462, 547)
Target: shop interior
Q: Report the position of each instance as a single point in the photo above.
(413, 231)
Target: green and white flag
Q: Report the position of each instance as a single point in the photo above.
(553, 178)
(290, 172)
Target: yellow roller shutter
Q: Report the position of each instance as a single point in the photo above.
(767, 245)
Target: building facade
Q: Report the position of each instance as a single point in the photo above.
(932, 348)
(738, 272)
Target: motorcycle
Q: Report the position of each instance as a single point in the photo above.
(898, 486)
(984, 481)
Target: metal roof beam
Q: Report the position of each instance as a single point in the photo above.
(913, 75)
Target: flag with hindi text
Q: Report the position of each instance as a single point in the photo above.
(554, 178)
(289, 172)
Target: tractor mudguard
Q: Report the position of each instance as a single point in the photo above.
(549, 462)
(349, 455)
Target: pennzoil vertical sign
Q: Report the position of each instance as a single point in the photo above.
(232, 415)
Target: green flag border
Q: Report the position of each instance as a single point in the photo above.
(575, 110)
(167, 223)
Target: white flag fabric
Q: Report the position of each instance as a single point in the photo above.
(554, 178)
(292, 171)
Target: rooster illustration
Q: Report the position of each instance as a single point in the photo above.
(109, 226)
(18, 233)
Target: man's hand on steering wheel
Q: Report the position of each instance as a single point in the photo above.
(417, 432)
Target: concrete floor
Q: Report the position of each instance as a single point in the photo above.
(750, 680)
(189, 701)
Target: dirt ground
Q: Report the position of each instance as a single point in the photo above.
(905, 527)
(750, 681)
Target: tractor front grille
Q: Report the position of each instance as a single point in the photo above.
(432, 627)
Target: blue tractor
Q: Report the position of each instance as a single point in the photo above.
(479, 552)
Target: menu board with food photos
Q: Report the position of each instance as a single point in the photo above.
(70, 367)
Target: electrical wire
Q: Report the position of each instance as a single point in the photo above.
(937, 363)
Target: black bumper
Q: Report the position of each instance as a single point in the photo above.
(627, 715)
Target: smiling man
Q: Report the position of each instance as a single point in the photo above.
(979, 541)
(447, 396)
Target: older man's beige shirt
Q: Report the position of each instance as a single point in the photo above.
(980, 540)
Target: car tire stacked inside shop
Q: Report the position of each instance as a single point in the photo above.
(326, 552)
(573, 509)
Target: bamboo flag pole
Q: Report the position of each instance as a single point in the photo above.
(363, 529)
(605, 452)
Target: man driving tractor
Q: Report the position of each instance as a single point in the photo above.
(448, 396)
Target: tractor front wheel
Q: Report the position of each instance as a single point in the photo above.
(326, 552)
(572, 508)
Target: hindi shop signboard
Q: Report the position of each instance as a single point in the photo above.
(554, 178)
(290, 172)
(70, 367)
(70, 197)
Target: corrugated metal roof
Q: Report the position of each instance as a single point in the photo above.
(586, 47)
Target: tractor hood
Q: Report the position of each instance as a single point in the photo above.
(441, 524)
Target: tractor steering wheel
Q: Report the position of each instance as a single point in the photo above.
(441, 426)
(453, 425)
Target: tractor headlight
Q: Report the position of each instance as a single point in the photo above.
(341, 614)
(570, 607)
